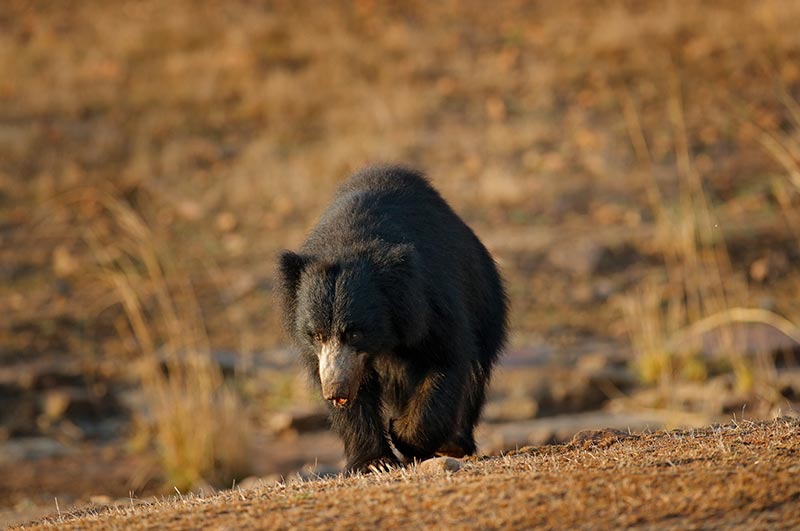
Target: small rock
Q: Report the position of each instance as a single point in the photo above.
(252, 482)
(55, 403)
(573, 392)
(613, 380)
(494, 438)
(316, 471)
(751, 338)
(510, 409)
(66, 430)
(438, 465)
(24, 448)
(203, 488)
(298, 420)
(593, 362)
(581, 257)
(602, 437)
(101, 499)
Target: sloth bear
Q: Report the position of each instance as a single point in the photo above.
(399, 313)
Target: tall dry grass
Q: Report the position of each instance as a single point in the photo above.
(195, 419)
(699, 293)
(784, 146)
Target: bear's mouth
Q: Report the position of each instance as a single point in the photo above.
(340, 402)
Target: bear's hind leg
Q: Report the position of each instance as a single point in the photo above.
(431, 416)
(462, 443)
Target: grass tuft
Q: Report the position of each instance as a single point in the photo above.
(195, 419)
(667, 316)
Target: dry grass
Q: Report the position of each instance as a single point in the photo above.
(698, 292)
(784, 146)
(228, 133)
(200, 428)
(196, 139)
(737, 476)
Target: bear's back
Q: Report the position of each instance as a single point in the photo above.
(398, 206)
(384, 203)
(378, 179)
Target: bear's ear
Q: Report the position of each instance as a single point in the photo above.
(403, 285)
(290, 267)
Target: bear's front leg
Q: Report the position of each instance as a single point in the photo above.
(431, 416)
(362, 430)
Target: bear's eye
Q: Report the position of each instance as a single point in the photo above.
(319, 337)
(354, 336)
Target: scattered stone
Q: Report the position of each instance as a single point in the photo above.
(613, 380)
(203, 488)
(101, 499)
(510, 410)
(750, 338)
(23, 448)
(498, 438)
(312, 472)
(55, 403)
(252, 482)
(708, 397)
(593, 362)
(439, 465)
(298, 420)
(602, 437)
(581, 257)
(572, 393)
(68, 431)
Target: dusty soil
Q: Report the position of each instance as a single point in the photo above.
(737, 476)
(561, 131)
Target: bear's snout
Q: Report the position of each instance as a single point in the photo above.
(340, 370)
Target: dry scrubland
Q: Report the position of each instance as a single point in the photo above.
(634, 167)
(737, 476)
(226, 126)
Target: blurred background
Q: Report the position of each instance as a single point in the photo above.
(634, 166)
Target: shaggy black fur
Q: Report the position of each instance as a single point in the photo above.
(391, 271)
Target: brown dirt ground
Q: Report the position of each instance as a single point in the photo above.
(226, 126)
(737, 476)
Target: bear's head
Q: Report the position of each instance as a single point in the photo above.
(345, 311)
